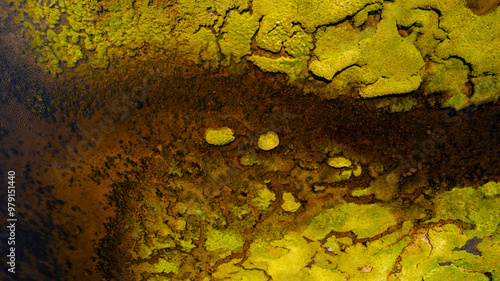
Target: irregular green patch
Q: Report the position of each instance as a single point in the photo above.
(479, 207)
(451, 251)
(454, 273)
(299, 44)
(383, 187)
(378, 72)
(436, 254)
(273, 40)
(311, 14)
(296, 68)
(289, 203)
(201, 48)
(486, 89)
(363, 220)
(395, 71)
(284, 259)
(223, 239)
(233, 272)
(449, 77)
(264, 198)
(336, 49)
(466, 32)
(357, 172)
(361, 17)
(173, 231)
(162, 266)
(368, 261)
(237, 36)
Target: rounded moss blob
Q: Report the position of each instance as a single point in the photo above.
(219, 136)
(338, 162)
(268, 141)
(289, 203)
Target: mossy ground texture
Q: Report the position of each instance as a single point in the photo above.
(230, 211)
(191, 216)
(330, 48)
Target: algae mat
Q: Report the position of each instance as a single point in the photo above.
(449, 49)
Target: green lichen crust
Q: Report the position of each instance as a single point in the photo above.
(362, 220)
(376, 48)
(219, 136)
(480, 210)
(264, 198)
(228, 239)
(237, 36)
(383, 73)
(441, 252)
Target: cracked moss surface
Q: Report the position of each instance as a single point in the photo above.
(363, 220)
(330, 48)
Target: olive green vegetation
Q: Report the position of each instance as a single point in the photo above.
(445, 244)
(375, 47)
(289, 203)
(398, 104)
(284, 217)
(362, 220)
